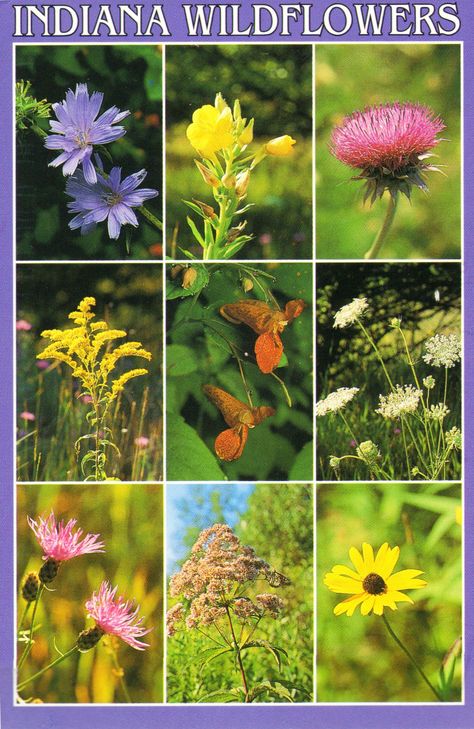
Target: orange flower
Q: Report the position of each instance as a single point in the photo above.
(268, 323)
(230, 444)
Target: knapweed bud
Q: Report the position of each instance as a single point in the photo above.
(220, 103)
(369, 452)
(189, 277)
(247, 284)
(89, 638)
(208, 176)
(247, 135)
(49, 570)
(429, 382)
(242, 183)
(30, 587)
(228, 180)
(280, 146)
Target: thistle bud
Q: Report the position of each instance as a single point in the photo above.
(30, 587)
(89, 638)
(247, 135)
(242, 183)
(228, 181)
(247, 284)
(189, 277)
(208, 176)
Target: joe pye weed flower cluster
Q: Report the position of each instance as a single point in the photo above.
(221, 136)
(428, 444)
(88, 349)
(113, 615)
(218, 598)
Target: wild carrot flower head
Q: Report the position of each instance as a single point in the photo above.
(111, 199)
(349, 313)
(116, 616)
(390, 144)
(336, 400)
(372, 584)
(60, 541)
(78, 128)
(403, 400)
(443, 350)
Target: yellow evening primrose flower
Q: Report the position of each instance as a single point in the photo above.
(280, 146)
(372, 585)
(211, 129)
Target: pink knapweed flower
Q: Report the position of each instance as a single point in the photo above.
(42, 364)
(58, 540)
(142, 441)
(390, 143)
(23, 326)
(117, 616)
(26, 415)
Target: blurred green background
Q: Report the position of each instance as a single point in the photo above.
(427, 299)
(273, 84)
(128, 297)
(277, 521)
(129, 520)
(357, 658)
(279, 448)
(130, 78)
(351, 77)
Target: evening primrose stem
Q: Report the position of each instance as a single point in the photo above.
(374, 250)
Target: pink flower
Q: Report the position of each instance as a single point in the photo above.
(59, 542)
(87, 399)
(42, 364)
(142, 441)
(25, 415)
(116, 616)
(23, 326)
(389, 135)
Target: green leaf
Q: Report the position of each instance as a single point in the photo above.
(195, 232)
(174, 289)
(274, 689)
(273, 649)
(302, 468)
(235, 694)
(180, 360)
(188, 457)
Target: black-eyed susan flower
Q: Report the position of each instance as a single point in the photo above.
(372, 584)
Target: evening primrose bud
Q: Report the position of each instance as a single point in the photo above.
(220, 103)
(247, 135)
(228, 181)
(280, 146)
(237, 111)
(242, 183)
(208, 176)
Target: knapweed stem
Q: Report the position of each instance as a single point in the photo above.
(27, 650)
(412, 659)
(61, 658)
(374, 250)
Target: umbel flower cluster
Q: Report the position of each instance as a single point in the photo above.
(77, 132)
(221, 135)
(88, 349)
(215, 580)
(112, 614)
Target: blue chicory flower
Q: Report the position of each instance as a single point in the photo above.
(78, 129)
(109, 199)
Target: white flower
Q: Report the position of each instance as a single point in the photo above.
(443, 350)
(336, 400)
(438, 412)
(454, 438)
(349, 313)
(404, 399)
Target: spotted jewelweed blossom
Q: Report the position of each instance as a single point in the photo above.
(336, 401)
(402, 401)
(109, 198)
(443, 350)
(350, 313)
(390, 144)
(113, 615)
(77, 129)
(372, 584)
(61, 542)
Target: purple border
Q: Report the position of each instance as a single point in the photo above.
(266, 717)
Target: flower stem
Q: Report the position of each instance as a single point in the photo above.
(23, 617)
(120, 674)
(25, 653)
(412, 659)
(61, 658)
(374, 250)
(239, 658)
(150, 217)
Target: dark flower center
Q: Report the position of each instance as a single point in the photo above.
(374, 584)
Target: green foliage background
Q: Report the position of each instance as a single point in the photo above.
(274, 86)
(357, 658)
(129, 297)
(351, 77)
(129, 519)
(277, 521)
(130, 78)
(345, 358)
(281, 446)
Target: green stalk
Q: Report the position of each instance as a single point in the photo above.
(27, 650)
(120, 674)
(376, 350)
(239, 657)
(150, 217)
(374, 250)
(61, 658)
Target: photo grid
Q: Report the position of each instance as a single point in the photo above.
(239, 374)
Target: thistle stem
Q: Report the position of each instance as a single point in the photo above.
(412, 659)
(61, 658)
(374, 250)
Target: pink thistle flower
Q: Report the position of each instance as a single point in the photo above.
(117, 616)
(23, 326)
(389, 143)
(59, 542)
(26, 415)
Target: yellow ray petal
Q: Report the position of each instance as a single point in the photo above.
(405, 580)
(340, 569)
(349, 605)
(368, 555)
(385, 569)
(357, 561)
(339, 583)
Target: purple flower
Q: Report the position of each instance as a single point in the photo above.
(58, 540)
(109, 199)
(78, 129)
(116, 616)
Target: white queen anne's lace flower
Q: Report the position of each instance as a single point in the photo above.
(402, 401)
(349, 313)
(443, 350)
(336, 400)
(438, 412)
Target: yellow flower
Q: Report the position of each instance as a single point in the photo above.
(372, 585)
(280, 146)
(247, 135)
(211, 129)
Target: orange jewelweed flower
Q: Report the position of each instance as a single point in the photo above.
(268, 323)
(239, 416)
